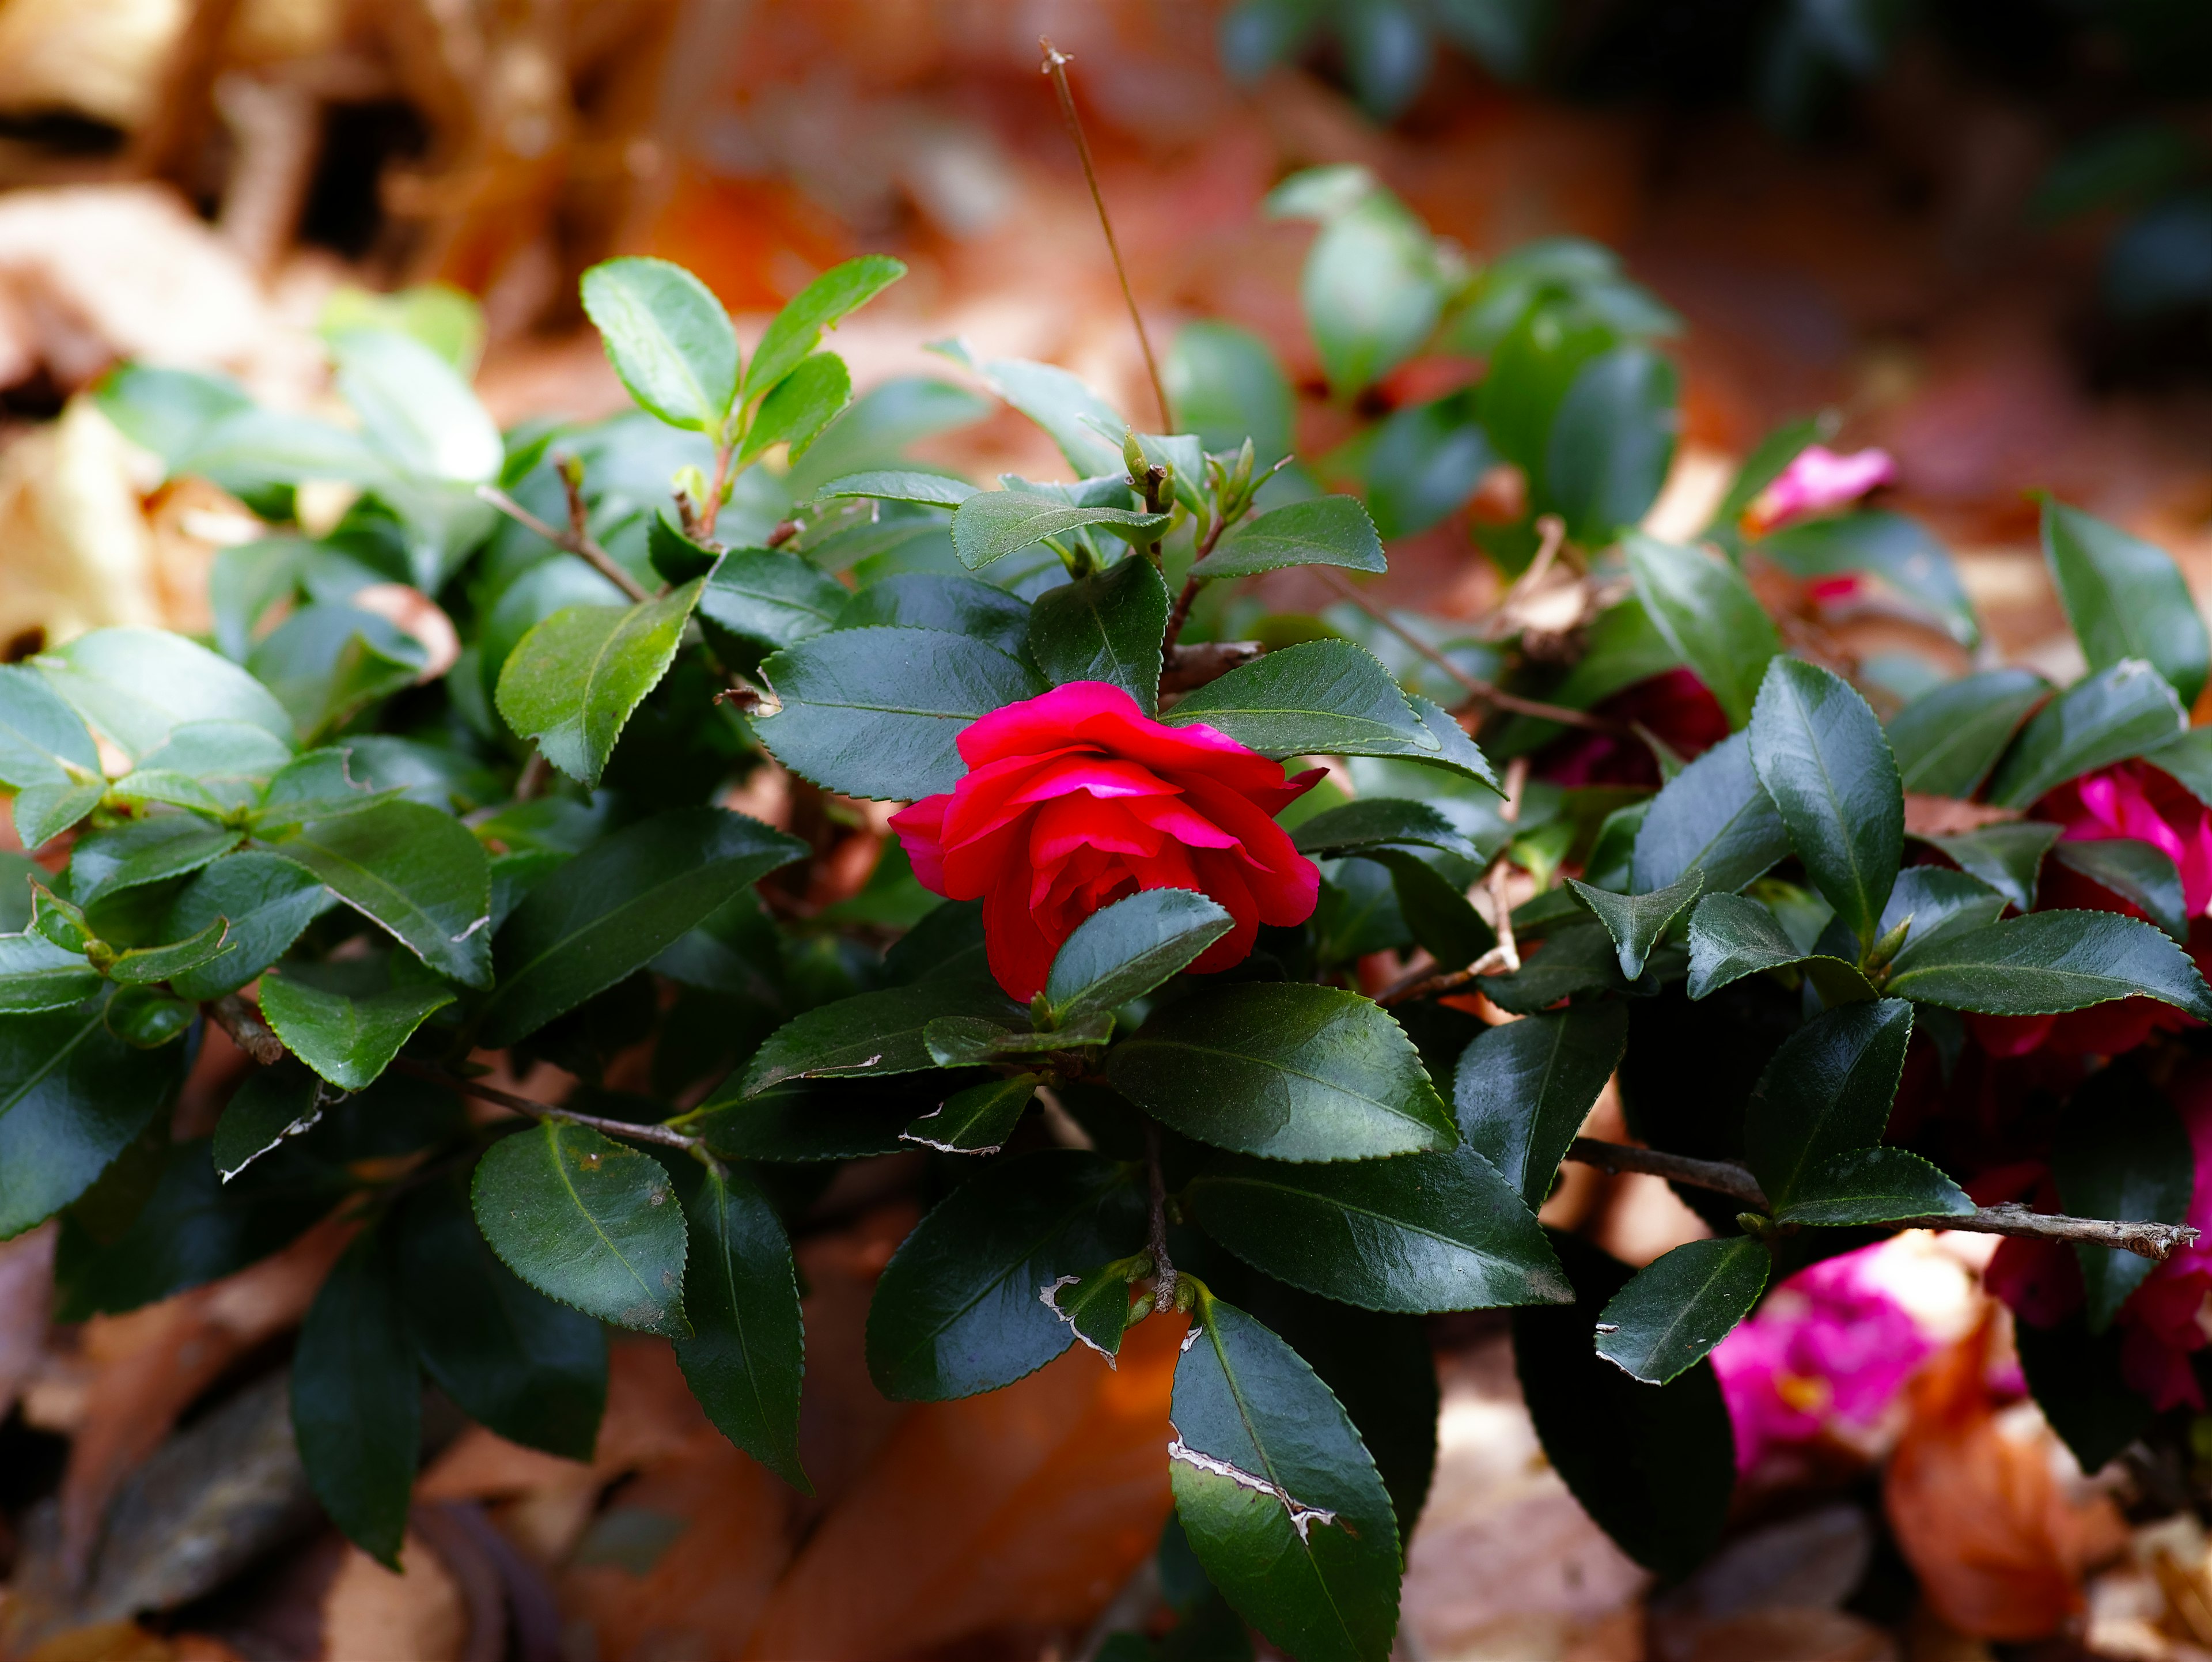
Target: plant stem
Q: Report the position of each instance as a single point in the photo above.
(1055, 65)
(571, 542)
(2155, 1241)
(1163, 1271)
(711, 508)
(246, 1029)
(666, 1136)
(1184, 601)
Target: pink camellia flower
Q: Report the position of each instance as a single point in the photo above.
(1818, 480)
(1077, 799)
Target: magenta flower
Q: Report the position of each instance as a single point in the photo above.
(1820, 479)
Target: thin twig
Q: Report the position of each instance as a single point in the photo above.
(1163, 1271)
(662, 1135)
(1055, 65)
(246, 1029)
(536, 773)
(1181, 614)
(711, 510)
(583, 547)
(2155, 1241)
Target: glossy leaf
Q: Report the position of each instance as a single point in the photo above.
(147, 1017)
(1732, 935)
(772, 599)
(993, 524)
(348, 1039)
(1713, 816)
(1124, 951)
(72, 1095)
(270, 1104)
(1946, 740)
(954, 605)
(2125, 598)
(1095, 1306)
(138, 686)
(668, 338)
(1106, 627)
(2140, 873)
(2007, 857)
(794, 331)
(617, 906)
(1636, 921)
(43, 812)
(1611, 442)
(961, 1308)
(37, 975)
(977, 1041)
(872, 1033)
(1577, 959)
(746, 1354)
(799, 407)
(1420, 1233)
(1289, 1071)
(1324, 531)
(2122, 711)
(1373, 822)
(2120, 1151)
(1875, 1185)
(803, 1123)
(573, 682)
(2050, 962)
(876, 712)
(143, 965)
(44, 747)
(265, 900)
(1522, 1090)
(1679, 1307)
(899, 485)
(978, 1120)
(1826, 1092)
(143, 851)
(416, 872)
(357, 1402)
(1938, 902)
(1278, 1497)
(1708, 614)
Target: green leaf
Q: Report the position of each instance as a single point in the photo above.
(56, 920)
(800, 407)
(1106, 627)
(43, 742)
(962, 1307)
(1372, 291)
(795, 330)
(1660, 1478)
(586, 1220)
(1421, 463)
(515, 1361)
(2187, 758)
(138, 686)
(773, 598)
(1420, 1233)
(143, 851)
(2049, 961)
(2120, 1152)
(1679, 1307)
(1432, 889)
(1096, 1306)
(1373, 822)
(802, 1123)
(144, 965)
(877, 712)
(1325, 530)
(977, 1041)
(1124, 951)
(2139, 872)
(668, 338)
(1897, 550)
(1286, 1070)
(348, 1040)
(1818, 750)
(1577, 959)
(872, 1033)
(1063, 405)
(1732, 935)
(2006, 857)
(416, 871)
(1326, 699)
(1713, 816)
(746, 1354)
(900, 485)
(37, 975)
(1636, 921)
(357, 1402)
(142, 786)
(1946, 740)
(1875, 1185)
(270, 1104)
(1226, 387)
(1939, 902)
(993, 524)
(2077, 1380)
(2126, 710)
(1827, 1092)
(147, 1018)
(1611, 444)
(572, 682)
(415, 409)
(2125, 598)
(617, 906)
(955, 605)
(1522, 1090)
(978, 1120)
(44, 811)
(266, 901)
(1708, 615)
(1278, 1497)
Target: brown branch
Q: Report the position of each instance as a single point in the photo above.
(1181, 615)
(711, 510)
(1163, 1271)
(1055, 65)
(667, 1136)
(1185, 668)
(1719, 1175)
(571, 542)
(246, 1029)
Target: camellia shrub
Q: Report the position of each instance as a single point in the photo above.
(1168, 971)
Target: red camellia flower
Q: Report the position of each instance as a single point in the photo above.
(1078, 799)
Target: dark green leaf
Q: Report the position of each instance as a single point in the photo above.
(1708, 615)
(1432, 891)
(143, 965)
(145, 851)
(1278, 1497)
(1938, 902)
(2076, 1379)
(993, 524)
(899, 485)
(43, 812)
(1124, 951)
(978, 1120)
(2126, 710)
(72, 1095)
(668, 338)
(1106, 627)
(1522, 1090)
(673, 554)
(1095, 1306)
(1897, 550)
(326, 663)
(746, 1354)
(1946, 740)
(2125, 598)
(793, 332)
(872, 1033)
(415, 871)
(357, 1402)
(1679, 1307)
(2006, 857)
(137, 685)
(1325, 530)
(1636, 921)
(802, 1123)
(800, 407)
(1826, 1092)
(1732, 935)
(955, 605)
(1421, 463)
(348, 1039)
(1713, 816)
(2188, 759)
(961, 1307)
(589, 1221)
(265, 900)
(1382, 821)
(573, 682)
(2049, 961)
(1578, 959)
(37, 975)
(1875, 1185)
(977, 1041)
(2139, 872)
(1372, 291)
(2120, 1152)
(1424, 1232)
(270, 1105)
(772, 599)
(147, 1019)
(1289, 1071)
(619, 904)
(875, 712)
(1611, 442)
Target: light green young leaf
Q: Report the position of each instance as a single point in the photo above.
(573, 682)
(795, 330)
(668, 338)
(1326, 531)
(800, 407)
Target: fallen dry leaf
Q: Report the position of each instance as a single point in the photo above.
(27, 1275)
(1947, 816)
(370, 1615)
